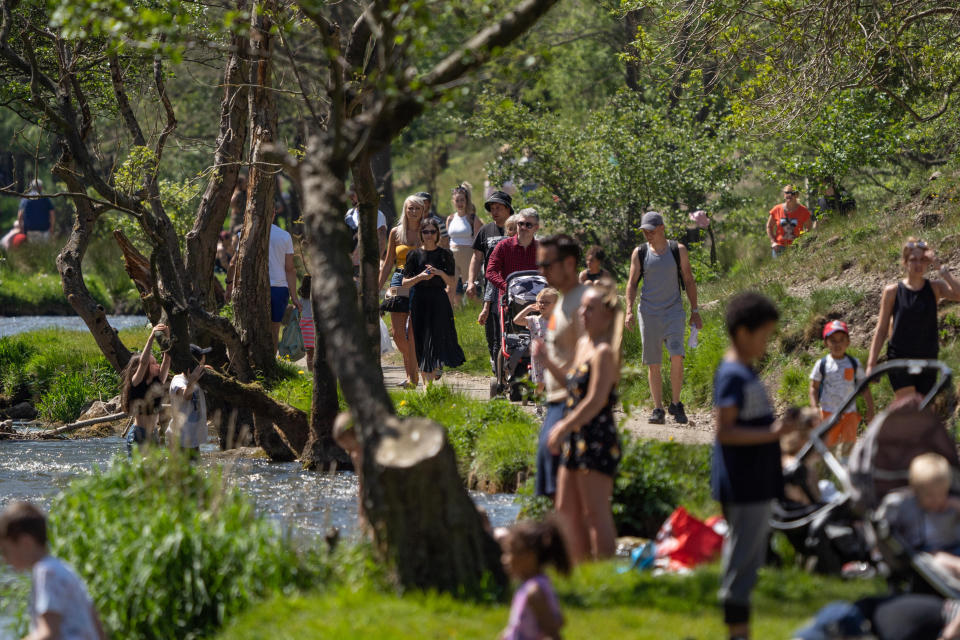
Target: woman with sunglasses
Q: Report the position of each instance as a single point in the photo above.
(401, 240)
(908, 308)
(428, 271)
(787, 221)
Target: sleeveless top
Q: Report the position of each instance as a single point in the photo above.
(460, 231)
(146, 398)
(915, 333)
(660, 290)
(402, 251)
(593, 277)
(523, 622)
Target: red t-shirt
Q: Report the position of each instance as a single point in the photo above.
(789, 225)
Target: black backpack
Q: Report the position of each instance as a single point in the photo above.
(674, 249)
(822, 368)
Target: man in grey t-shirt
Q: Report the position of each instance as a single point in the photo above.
(662, 319)
(558, 258)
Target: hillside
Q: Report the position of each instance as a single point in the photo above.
(836, 271)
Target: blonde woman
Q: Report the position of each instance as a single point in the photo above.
(462, 227)
(586, 437)
(402, 239)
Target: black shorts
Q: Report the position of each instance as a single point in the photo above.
(923, 381)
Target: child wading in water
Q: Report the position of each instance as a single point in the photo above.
(527, 548)
(144, 382)
(546, 301)
(746, 476)
(59, 605)
(832, 380)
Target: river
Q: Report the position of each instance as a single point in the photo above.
(11, 325)
(303, 502)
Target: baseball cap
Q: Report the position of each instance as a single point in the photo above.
(833, 327)
(651, 220)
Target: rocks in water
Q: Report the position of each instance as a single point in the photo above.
(99, 409)
(21, 411)
(6, 427)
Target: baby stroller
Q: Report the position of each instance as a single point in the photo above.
(829, 533)
(880, 464)
(513, 357)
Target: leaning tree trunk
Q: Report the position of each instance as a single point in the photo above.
(410, 478)
(70, 266)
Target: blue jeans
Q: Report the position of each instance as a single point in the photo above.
(137, 435)
(547, 463)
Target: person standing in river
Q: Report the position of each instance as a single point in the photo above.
(664, 267)
(141, 392)
(910, 307)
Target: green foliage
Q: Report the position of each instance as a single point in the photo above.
(167, 551)
(494, 441)
(71, 390)
(633, 154)
(655, 478)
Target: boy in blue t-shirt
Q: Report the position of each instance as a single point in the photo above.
(746, 476)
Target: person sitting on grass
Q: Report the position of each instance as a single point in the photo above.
(833, 379)
(746, 476)
(536, 317)
(528, 547)
(141, 394)
(59, 604)
(924, 516)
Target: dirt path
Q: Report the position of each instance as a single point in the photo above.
(698, 431)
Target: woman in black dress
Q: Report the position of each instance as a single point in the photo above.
(910, 308)
(429, 270)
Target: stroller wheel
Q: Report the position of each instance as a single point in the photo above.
(494, 388)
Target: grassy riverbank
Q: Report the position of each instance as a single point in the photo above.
(598, 602)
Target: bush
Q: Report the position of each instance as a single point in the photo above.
(72, 389)
(167, 551)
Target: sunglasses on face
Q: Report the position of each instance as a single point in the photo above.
(428, 232)
(919, 244)
(789, 193)
(527, 225)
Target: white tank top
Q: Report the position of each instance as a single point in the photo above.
(460, 230)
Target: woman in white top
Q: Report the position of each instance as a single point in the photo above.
(462, 226)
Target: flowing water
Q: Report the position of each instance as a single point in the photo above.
(305, 503)
(10, 325)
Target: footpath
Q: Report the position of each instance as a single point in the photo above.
(698, 431)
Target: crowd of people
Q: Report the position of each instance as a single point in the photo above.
(429, 263)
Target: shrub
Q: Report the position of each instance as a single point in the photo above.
(72, 389)
(167, 551)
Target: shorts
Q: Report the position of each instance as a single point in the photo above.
(657, 328)
(278, 303)
(462, 255)
(136, 435)
(547, 464)
(923, 382)
(845, 430)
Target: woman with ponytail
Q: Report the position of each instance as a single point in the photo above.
(586, 438)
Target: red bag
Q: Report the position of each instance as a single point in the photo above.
(686, 541)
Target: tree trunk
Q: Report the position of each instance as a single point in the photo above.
(410, 477)
(411, 484)
(382, 164)
(251, 295)
(321, 449)
(201, 241)
(70, 266)
(369, 246)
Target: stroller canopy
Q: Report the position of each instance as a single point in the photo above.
(523, 286)
(880, 461)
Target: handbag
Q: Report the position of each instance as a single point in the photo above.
(291, 341)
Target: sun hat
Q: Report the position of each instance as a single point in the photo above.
(833, 327)
(501, 197)
(651, 220)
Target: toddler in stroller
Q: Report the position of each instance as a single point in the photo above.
(513, 356)
(535, 317)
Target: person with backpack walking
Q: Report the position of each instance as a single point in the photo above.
(833, 379)
(664, 267)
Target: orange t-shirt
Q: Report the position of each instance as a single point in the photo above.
(789, 225)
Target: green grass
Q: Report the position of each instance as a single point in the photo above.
(473, 339)
(598, 602)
